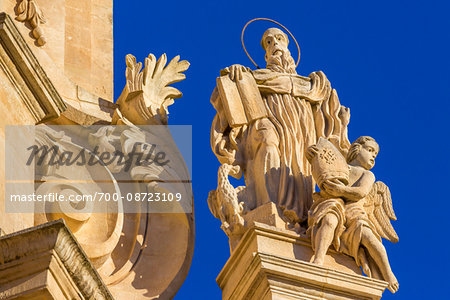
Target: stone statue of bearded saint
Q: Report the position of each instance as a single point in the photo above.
(269, 149)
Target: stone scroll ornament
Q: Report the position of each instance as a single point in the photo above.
(266, 120)
(29, 12)
(123, 245)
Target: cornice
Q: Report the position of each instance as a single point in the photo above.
(55, 237)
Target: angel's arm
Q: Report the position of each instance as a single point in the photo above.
(360, 189)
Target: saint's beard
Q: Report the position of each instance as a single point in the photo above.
(283, 63)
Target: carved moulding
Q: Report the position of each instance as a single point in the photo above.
(27, 75)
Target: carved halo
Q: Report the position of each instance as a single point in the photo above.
(273, 21)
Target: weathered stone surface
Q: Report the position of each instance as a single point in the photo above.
(76, 41)
(27, 75)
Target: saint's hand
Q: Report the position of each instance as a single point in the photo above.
(234, 71)
(335, 188)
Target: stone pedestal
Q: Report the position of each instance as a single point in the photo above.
(271, 263)
(45, 262)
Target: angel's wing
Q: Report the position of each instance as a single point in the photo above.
(380, 211)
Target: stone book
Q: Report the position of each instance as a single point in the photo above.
(241, 99)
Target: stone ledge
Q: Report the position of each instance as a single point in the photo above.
(319, 276)
(47, 260)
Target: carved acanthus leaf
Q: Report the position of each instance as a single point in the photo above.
(133, 74)
(154, 81)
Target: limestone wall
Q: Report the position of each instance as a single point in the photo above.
(78, 41)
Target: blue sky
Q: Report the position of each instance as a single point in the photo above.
(388, 61)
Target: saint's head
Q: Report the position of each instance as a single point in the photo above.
(275, 42)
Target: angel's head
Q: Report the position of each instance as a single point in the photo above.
(363, 152)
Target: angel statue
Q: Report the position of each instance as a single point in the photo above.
(352, 211)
